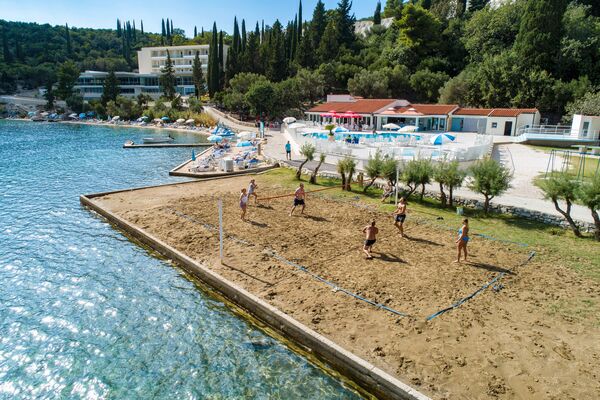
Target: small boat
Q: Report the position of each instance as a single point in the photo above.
(156, 140)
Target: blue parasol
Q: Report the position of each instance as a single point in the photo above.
(193, 155)
(214, 138)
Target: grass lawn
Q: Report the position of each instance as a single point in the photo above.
(552, 244)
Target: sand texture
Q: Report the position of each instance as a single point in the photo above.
(504, 343)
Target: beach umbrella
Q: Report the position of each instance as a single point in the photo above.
(245, 135)
(340, 129)
(180, 121)
(144, 118)
(70, 115)
(193, 155)
(391, 126)
(82, 115)
(408, 128)
(289, 120)
(165, 118)
(214, 138)
(156, 120)
(44, 114)
(296, 125)
(441, 138)
(244, 143)
(31, 113)
(190, 121)
(116, 118)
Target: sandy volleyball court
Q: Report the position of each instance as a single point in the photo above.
(501, 344)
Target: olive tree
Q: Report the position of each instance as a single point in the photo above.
(313, 177)
(448, 176)
(417, 172)
(373, 169)
(346, 167)
(490, 179)
(308, 151)
(589, 195)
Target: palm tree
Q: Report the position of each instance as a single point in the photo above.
(308, 151)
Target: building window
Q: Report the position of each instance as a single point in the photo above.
(494, 124)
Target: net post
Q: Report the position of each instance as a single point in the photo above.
(220, 205)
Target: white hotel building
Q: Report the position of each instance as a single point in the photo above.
(151, 60)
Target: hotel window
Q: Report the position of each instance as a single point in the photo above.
(494, 124)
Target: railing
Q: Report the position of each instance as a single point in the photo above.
(562, 130)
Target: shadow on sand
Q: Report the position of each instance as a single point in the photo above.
(247, 274)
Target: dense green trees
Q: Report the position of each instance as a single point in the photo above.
(198, 76)
(111, 89)
(67, 76)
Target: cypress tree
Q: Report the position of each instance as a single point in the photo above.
(262, 31)
(169, 40)
(118, 28)
(377, 14)
(276, 63)
(221, 80)
(134, 34)
(213, 63)
(111, 89)
(68, 39)
(171, 27)
(294, 40)
(19, 51)
(250, 59)
(234, 53)
(198, 76)
(49, 95)
(540, 32)
(300, 21)
(243, 38)
(329, 46)
(167, 79)
(195, 31)
(142, 26)
(163, 32)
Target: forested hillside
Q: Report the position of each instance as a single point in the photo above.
(524, 53)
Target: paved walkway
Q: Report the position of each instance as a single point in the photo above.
(525, 162)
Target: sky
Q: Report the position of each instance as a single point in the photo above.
(185, 14)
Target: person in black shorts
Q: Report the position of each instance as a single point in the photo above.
(370, 232)
(299, 196)
(400, 216)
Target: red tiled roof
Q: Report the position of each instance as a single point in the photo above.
(435, 109)
(361, 106)
(473, 111)
(511, 112)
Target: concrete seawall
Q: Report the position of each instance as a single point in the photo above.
(364, 374)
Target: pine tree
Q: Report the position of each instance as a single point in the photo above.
(111, 89)
(475, 5)
(243, 38)
(344, 23)
(539, 33)
(198, 76)
(393, 9)
(68, 39)
(221, 62)
(318, 25)
(213, 63)
(167, 79)
(118, 28)
(329, 47)
(377, 14)
(300, 21)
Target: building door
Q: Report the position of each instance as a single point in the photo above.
(586, 128)
(507, 128)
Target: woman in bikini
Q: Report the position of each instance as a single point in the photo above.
(463, 239)
(244, 203)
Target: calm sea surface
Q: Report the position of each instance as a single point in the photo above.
(84, 313)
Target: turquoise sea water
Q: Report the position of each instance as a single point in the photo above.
(84, 313)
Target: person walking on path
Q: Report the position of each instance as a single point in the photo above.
(463, 239)
(252, 190)
(400, 216)
(299, 196)
(370, 232)
(288, 151)
(243, 203)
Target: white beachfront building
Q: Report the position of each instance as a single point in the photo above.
(151, 60)
(374, 113)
